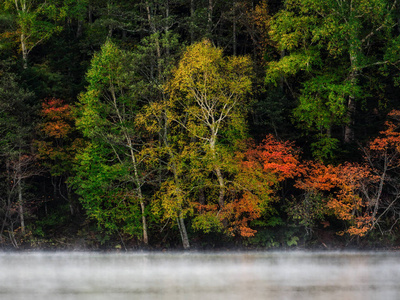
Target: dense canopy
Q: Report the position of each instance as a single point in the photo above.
(207, 123)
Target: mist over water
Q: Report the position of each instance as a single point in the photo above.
(209, 276)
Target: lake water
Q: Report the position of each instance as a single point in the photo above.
(206, 276)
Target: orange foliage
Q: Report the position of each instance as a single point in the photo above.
(344, 186)
(260, 169)
(351, 192)
(389, 141)
(59, 145)
(58, 117)
(278, 158)
(236, 214)
(349, 204)
(240, 212)
(57, 129)
(354, 193)
(317, 177)
(55, 109)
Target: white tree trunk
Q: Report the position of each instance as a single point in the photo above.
(183, 232)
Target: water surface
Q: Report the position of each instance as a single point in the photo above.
(206, 276)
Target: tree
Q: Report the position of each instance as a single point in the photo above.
(338, 191)
(363, 195)
(106, 116)
(59, 144)
(383, 156)
(330, 45)
(107, 192)
(208, 99)
(18, 161)
(36, 21)
(212, 92)
(263, 169)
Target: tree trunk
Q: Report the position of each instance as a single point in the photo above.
(136, 178)
(180, 219)
(234, 39)
(234, 42)
(218, 172)
(110, 27)
(70, 201)
(24, 52)
(21, 12)
(349, 128)
(20, 199)
(140, 196)
(8, 205)
(184, 236)
(191, 21)
(158, 48)
(139, 192)
(282, 79)
(79, 29)
(90, 14)
(209, 18)
(351, 105)
(166, 32)
(144, 221)
(202, 197)
(21, 207)
(221, 187)
(329, 132)
(351, 111)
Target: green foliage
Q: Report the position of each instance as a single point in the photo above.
(277, 237)
(16, 115)
(207, 222)
(107, 177)
(105, 191)
(36, 21)
(108, 94)
(327, 46)
(174, 199)
(17, 162)
(162, 119)
(291, 65)
(309, 210)
(325, 148)
(52, 221)
(322, 103)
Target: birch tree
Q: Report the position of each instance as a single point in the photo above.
(35, 22)
(208, 96)
(106, 117)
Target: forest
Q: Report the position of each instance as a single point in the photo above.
(199, 124)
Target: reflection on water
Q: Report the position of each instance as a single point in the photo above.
(209, 276)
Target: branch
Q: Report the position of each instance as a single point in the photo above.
(380, 27)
